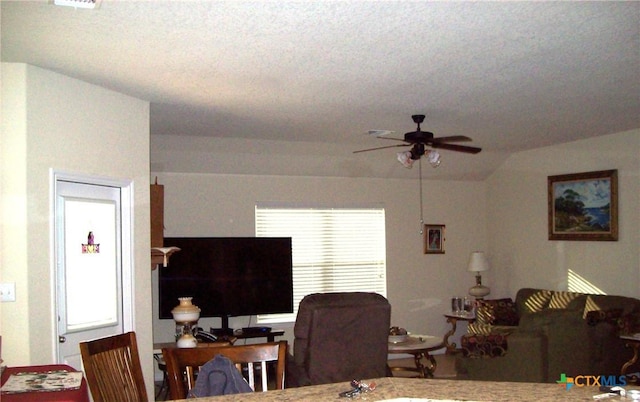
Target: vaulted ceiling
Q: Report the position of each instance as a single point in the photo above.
(280, 87)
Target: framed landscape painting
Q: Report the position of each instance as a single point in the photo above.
(434, 239)
(583, 206)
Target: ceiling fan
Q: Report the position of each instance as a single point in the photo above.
(419, 141)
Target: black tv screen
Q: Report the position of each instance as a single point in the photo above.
(228, 276)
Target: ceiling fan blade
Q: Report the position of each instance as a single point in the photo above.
(392, 139)
(458, 148)
(374, 149)
(453, 138)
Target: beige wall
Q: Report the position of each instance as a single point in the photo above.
(419, 285)
(523, 256)
(53, 122)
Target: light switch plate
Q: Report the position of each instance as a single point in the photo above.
(7, 292)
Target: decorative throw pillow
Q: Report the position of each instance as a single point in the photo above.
(562, 299)
(611, 316)
(486, 329)
(537, 301)
(624, 323)
(476, 328)
(590, 305)
(629, 324)
(497, 312)
(482, 346)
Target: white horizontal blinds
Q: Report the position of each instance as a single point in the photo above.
(334, 249)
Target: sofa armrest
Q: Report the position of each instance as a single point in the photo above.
(525, 361)
(570, 340)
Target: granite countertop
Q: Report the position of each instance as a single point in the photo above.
(430, 389)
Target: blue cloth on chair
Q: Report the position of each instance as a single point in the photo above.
(219, 376)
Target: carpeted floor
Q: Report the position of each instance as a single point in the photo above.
(445, 367)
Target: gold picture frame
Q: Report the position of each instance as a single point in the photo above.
(583, 206)
(434, 238)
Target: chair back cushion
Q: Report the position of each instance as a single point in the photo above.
(342, 336)
(497, 312)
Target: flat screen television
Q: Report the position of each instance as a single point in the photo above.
(228, 276)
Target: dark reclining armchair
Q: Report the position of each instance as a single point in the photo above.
(339, 337)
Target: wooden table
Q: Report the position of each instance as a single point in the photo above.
(453, 320)
(427, 389)
(237, 334)
(419, 346)
(157, 347)
(81, 394)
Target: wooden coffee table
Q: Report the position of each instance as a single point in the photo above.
(419, 346)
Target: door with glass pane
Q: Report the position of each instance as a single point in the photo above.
(88, 265)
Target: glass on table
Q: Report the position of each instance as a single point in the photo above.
(457, 305)
(468, 305)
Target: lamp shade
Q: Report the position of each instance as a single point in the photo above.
(478, 262)
(185, 311)
(405, 158)
(434, 158)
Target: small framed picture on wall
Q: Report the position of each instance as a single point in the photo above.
(434, 239)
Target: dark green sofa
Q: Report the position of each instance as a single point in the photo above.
(545, 333)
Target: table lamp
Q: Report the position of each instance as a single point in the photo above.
(186, 316)
(478, 263)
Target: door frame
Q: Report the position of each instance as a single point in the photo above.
(126, 207)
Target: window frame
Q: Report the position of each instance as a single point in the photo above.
(330, 241)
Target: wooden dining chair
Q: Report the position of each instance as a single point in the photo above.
(183, 364)
(112, 368)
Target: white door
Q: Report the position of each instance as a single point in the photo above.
(88, 243)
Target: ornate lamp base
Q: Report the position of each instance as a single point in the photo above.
(479, 291)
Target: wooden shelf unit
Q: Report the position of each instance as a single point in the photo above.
(157, 226)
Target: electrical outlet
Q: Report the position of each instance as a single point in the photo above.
(7, 292)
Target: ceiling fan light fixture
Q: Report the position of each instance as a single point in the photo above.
(434, 158)
(405, 158)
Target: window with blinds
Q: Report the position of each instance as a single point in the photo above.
(334, 250)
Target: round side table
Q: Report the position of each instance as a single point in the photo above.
(453, 320)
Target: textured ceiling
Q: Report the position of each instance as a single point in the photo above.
(250, 77)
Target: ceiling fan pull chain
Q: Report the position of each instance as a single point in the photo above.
(420, 177)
